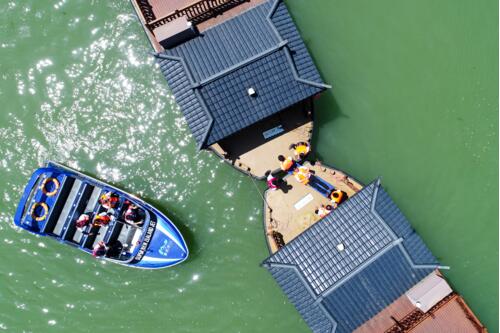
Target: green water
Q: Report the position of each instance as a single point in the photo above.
(414, 101)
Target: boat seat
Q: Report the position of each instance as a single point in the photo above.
(88, 240)
(113, 232)
(92, 206)
(77, 209)
(126, 235)
(101, 233)
(67, 208)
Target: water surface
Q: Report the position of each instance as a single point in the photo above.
(414, 101)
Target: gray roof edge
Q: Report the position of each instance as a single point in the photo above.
(276, 264)
(199, 145)
(374, 212)
(419, 266)
(269, 17)
(309, 290)
(290, 59)
(298, 78)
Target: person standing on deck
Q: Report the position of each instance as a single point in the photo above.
(300, 150)
(272, 181)
(286, 164)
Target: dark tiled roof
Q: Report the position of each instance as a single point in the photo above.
(383, 258)
(210, 74)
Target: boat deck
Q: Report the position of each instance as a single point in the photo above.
(153, 10)
(248, 150)
(293, 212)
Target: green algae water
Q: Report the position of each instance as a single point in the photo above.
(414, 100)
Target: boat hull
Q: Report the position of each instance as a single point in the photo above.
(56, 196)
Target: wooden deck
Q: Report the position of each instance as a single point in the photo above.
(162, 8)
(248, 150)
(452, 316)
(235, 11)
(289, 221)
(384, 320)
(154, 10)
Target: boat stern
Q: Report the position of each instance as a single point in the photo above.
(38, 199)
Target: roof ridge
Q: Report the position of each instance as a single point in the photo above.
(374, 212)
(291, 62)
(296, 73)
(389, 229)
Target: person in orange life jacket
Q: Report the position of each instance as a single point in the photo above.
(286, 164)
(338, 197)
(300, 150)
(101, 219)
(272, 181)
(100, 249)
(133, 215)
(302, 174)
(109, 200)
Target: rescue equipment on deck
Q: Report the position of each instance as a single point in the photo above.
(35, 213)
(50, 186)
(338, 196)
(287, 164)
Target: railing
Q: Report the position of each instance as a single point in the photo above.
(197, 12)
(414, 318)
(147, 10)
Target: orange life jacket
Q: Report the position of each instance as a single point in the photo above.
(338, 196)
(287, 164)
(101, 220)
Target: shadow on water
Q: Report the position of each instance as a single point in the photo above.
(326, 110)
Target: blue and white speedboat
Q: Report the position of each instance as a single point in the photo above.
(57, 196)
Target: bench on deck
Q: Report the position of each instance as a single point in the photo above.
(77, 208)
